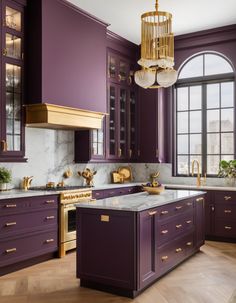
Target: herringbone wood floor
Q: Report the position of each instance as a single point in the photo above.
(207, 277)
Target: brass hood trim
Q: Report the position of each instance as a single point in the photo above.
(61, 117)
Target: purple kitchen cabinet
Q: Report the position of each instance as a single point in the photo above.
(107, 193)
(200, 219)
(66, 56)
(12, 144)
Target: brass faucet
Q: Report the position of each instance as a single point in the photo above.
(26, 182)
(198, 172)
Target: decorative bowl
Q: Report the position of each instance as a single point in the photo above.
(154, 190)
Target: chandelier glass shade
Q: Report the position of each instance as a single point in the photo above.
(157, 50)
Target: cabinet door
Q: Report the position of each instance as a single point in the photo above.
(112, 123)
(200, 221)
(132, 125)
(122, 122)
(12, 129)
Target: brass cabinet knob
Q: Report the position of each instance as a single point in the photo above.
(10, 206)
(178, 226)
(228, 227)
(178, 250)
(152, 213)
(164, 231)
(199, 199)
(164, 258)
(50, 201)
(11, 250)
(10, 224)
(227, 198)
(227, 211)
(189, 243)
(189, 221)
(164, 212)
(49, 241)
(178, 207)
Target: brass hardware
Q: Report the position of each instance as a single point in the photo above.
(164, 212)
(26, 182)
(3, 145)
(11, 250)
(49, 241)
(119, 77)
(130, 153)
(228, 227)
(189, 221)
(198, 172)
(164, 258)
(164, 231)
(178, 226)
(189, 243)
(199, 199)
(228, 211)
(189, 204)
(50, 201)
(178, 207)
(68, 173)
(213, 208)
(178, 250)
(227, 198)
(10, 224)
(10, 206)
(152, 213)
(105, 218)
(119, 152)
(4, 52)
(50, 217)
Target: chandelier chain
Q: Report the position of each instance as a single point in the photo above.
(156, 6)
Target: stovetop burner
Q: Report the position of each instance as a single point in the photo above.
(58, 188)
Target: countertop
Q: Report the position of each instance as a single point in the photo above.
(202, 187)
(140, 201)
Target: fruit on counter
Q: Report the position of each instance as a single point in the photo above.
(152, 184)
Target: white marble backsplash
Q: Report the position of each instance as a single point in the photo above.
(50, 153)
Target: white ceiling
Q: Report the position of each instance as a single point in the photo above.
(188, 15)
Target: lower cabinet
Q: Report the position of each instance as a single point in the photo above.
(124, 252)
(107, 193)
(28, 230)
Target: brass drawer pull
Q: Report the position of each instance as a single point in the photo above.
(152, 213)
(164, 258)
(189, 243)
(178, 207)
(227, 198)
(189, 221)
(130, 153)
(50, 201)
(164, 212)
(164, 231)
(10, 206)
(199, 199)
(11, 250)
(10, 224)
(178, 226)
(189, 204)
(178, 250)
(49, 240)
(50, 217)
(228, 227)
(228, 211)
(105, 218)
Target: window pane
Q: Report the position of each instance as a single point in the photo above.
(182, 144)
(227, 94)
(213, 144)
(195, 97)
(182, 98)
(227, 143)
(195, 122)
(227, 118)
(213, 95)
(227, 157)
(213, 123)
(213, 164)
(215, 64)
(199, 159)
(182, 165)
(193, 68)
(182, 122)
(195, 144)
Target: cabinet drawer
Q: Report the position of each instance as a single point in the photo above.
(227, 197)
(18, 249)
(27, 222)
(26, 204)
(182, 224)
(98, 194)
(167, 211)
(225, 228)
(225, 211)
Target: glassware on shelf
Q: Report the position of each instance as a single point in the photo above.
(13, 18)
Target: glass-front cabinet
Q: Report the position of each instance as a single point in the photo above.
(12, 128)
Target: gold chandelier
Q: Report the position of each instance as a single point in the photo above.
(157, 51)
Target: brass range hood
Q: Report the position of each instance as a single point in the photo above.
(53, 116)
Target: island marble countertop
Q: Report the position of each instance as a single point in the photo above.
(141, 201)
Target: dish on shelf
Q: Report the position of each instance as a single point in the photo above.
(126, 172)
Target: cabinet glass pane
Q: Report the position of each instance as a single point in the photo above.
(13, 18)
(97, 137)
(111, 67)
(123, 104)
(13, 107)
(13, 46)
(112, 121)
(123, 71)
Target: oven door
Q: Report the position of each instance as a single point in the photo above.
(68, 223)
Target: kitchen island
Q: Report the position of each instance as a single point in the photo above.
(126, 243)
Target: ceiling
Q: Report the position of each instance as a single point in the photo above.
(188, 15)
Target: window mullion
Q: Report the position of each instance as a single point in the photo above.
(204, 129)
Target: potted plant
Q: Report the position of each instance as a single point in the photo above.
(5, 178)
(227, 169)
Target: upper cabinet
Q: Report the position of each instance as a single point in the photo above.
(66, 56)
(12, 94)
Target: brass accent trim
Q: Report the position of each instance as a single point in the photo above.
(10, 206)
(227, 198)
(64, 247)
(11, 250)
(164, 258)
(227, 211)
(61, 117)
(10, 224)
(178, 250)
(152, 213)
(178, 226)
(50, 217)
(189, 221)
(164, 212)
(199, 199)
(228, 227)
(49, 241)
(119, 152)
(189, 243)
(50, 201)
(105, 218)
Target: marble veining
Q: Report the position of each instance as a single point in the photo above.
(140, 201)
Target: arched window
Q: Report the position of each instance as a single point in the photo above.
(205, 112)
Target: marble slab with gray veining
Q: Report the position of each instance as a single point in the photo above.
(19, 193)
(141, 201)
(202, 187)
